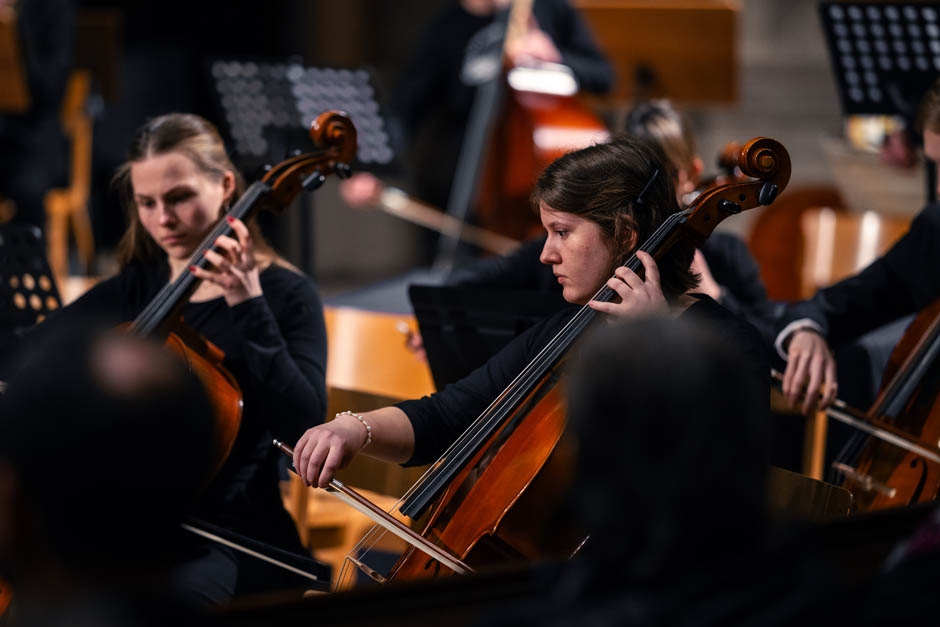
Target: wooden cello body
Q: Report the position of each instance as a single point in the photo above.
(884, 476)
(491, 499)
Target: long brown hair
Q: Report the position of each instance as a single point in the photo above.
(198, 139)
(603, 183)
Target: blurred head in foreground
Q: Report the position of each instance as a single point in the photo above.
(103, 446)
(672, 448)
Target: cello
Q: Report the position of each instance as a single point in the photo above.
(480, 502)
(334, 137)
(882, 475)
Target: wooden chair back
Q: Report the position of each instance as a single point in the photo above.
(67, 208)
(776, 238)
(838, 244)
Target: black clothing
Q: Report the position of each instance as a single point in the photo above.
(439, 419)
(431, 102)
(727, 256)
(275, 347)
(743, 293)
(864, 316)
(901, 282)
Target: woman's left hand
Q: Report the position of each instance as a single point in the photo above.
(637, 296)
(234, 267)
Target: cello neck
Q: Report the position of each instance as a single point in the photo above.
(175, 293)
(916, 358)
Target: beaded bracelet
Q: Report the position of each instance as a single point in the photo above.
(364, 424)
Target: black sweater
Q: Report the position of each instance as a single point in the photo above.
(275, 347)
(439, 419)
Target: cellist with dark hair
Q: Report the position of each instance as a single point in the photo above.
(597, 205)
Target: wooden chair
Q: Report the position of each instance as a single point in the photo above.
(67, 208)
(776, 238)
(836, 245)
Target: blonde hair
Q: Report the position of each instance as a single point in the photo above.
(199, 140)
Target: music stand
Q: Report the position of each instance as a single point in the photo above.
(28, 292)
(267, 109)
(884, 56)
(462, 327)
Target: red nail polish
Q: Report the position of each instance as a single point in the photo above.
(192, 268)
(230, 219)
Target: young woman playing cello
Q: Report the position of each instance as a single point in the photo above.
(596, 205)
(265, 315)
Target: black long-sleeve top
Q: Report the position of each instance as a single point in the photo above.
(439, 419)
(275, 347)
(901, 282)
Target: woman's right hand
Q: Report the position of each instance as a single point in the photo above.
(361, 190)
(811, 370)
(324, 449)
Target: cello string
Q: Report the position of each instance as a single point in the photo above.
(171, 293)
(289, 170)
(907, 377)
(536, 367)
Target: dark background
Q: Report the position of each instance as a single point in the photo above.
(153, 58)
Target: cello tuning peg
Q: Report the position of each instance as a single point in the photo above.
(768, 193)
(314, 181)
(343, 170)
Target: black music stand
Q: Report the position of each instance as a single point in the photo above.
(267, 108)
(885, 55)
(28, 292)
(462, 327)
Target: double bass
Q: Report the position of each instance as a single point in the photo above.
(489, 499)
(516, 128)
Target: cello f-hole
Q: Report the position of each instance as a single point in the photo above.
(915, 497)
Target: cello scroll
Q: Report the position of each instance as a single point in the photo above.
(764, 159)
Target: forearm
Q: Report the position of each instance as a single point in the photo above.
(393, 438)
